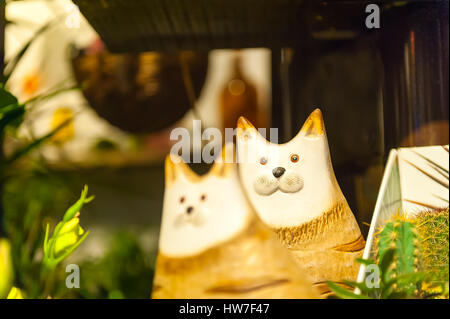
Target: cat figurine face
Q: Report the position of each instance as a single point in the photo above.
(288, 184)
(200, 212)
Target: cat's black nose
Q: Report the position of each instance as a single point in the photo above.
(189, 209)
(278, 171)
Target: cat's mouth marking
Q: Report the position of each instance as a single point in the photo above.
(191, 215)
(287, 182)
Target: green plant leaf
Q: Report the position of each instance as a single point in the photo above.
(33, 145)
(75, 208)
(50, 94)
(6, 97)
(12, 118)
(366, 262)
(385, 262)
(361, 286)
(405, 285)
(10, 108)
(411, 278)
(397, 295)
(72, 249)
(47, 230)
(344, 293)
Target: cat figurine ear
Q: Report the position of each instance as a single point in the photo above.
(176, 169)
(293, 189)
(244, 126)
(314, 126)
(224, 164)
(211, 243)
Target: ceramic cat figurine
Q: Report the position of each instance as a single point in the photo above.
(294, 191)
(212, 245)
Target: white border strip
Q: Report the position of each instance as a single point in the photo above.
(384, 182)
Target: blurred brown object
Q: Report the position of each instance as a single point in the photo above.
(432, 133)
(139, 93)
(239, 98)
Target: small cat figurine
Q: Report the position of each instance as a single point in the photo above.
(212, 245)
(294, 191)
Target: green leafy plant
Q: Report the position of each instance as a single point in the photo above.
(6, 267)
(25, 226)
(67, 236)
(399, 271)
(413, 254)
(11, 116)
(32, 199)
(15, 293)
(433, 235)
(64, 240)
(388, 285)
(125, 271)
(400, 235)
(12, 111)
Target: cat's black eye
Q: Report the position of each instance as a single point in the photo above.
(294, 158)
(203, 197)
(182, 199)
(263, 161)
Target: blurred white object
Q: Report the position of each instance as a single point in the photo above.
(415, 179)
(423, 178)
(46, 67)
